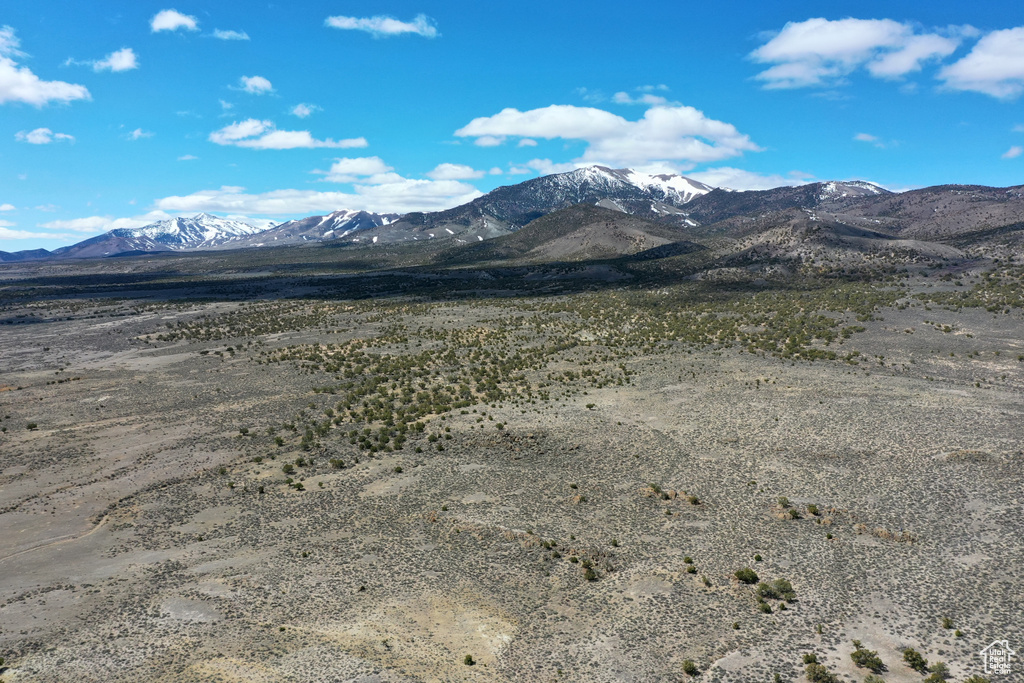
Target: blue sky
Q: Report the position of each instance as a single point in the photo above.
(119, 113)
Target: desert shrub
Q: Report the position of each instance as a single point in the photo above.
(783, 502)
(915, 660)
(468, 660)
(810, 658)
(938, 672)
(288, 468)
(865, 658)
(817, 673)
(812, 510)
(872, 678)
(947, 622)
(779, 589)
(690, 667)
(978, 679)
(747, 575)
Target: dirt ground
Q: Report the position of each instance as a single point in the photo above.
(148, 532)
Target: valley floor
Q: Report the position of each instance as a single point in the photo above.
(575, 511)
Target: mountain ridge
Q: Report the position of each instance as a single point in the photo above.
(939, 212)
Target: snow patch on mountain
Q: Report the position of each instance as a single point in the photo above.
(201, 230)
(835, 189)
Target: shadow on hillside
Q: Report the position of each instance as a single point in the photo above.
(247, 276)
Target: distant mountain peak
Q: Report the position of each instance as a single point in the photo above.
(837, 189)
(670, 187)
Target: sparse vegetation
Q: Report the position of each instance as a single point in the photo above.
(867, 659)
(915, 660)
(746, 575)
(338, 383)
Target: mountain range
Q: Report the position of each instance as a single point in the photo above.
(639, 210)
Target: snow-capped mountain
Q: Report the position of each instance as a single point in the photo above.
(506, 209)
(201, 231)
(334, 225)
(720, 205)
(670, 188)
(838, 189)
(665, 198)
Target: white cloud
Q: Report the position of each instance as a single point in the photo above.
(591, 96)
(100, 224)
(547, 167)
(391, 193)
(995, 66)
(1013, 152)
(9, 43)
(121, 60)
(255, 134)
(820, 52)
(381, 26)
(646, 98)
(172, 20)
(489, 140)
(738, 179)
(664, 134)
(7, 234)
(187, 157)
(915, 51)
(138, 134)
(870, 139)
(1019, 128)
(42, 136)
(255, 85)
(527, 142)
(349, 170)
(455, 172)
(19, 84)
(303, 110)
(230, 35)
(495, 171)
(7, 207)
